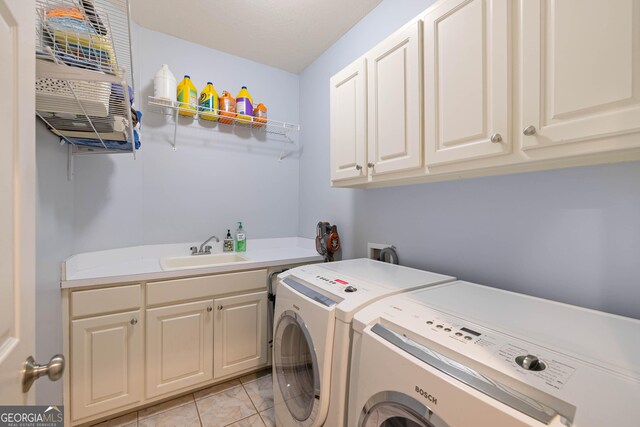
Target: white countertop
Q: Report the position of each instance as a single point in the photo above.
(142, 263)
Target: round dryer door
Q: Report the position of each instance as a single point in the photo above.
(393, 409)
(296, 368)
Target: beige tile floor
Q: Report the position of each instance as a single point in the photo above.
(245, 402)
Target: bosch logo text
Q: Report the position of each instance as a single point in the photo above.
(426, 395)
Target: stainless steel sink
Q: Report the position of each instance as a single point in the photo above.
(181, 263)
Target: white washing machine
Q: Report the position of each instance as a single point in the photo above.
(460, 355)
(314, 308)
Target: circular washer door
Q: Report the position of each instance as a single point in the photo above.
(297, 368)
(392, 409)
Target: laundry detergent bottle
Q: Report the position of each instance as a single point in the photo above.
(227, 108)
(244, 106)
(187, 97)
(164, 85)
(209, 103)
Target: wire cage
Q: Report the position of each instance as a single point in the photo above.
(84, 85)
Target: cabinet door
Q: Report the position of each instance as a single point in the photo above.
(240, 335)
(179, 346)
(348, 123)
(106, 363)
(394, 102)
(467, 80)
(580, 71)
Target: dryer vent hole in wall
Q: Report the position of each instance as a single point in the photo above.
(373, 250)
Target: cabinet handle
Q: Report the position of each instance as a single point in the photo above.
(529, 130)
(134, 321)
(220, 307)
(370, 165)
(358, 167)
(496, 138)
(209, 309)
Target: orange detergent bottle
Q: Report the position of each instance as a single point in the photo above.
(227, 108)
(259, 116)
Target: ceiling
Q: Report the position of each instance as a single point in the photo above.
(286, 34)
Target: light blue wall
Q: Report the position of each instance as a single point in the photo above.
(54, 242)
(212, 180)
(571, 235)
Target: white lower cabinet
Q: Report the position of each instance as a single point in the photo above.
(135, 344)
(240, 333)
(179, 347)
(106, 363)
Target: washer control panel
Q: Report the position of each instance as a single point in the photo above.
(540, 366)
(324, 279)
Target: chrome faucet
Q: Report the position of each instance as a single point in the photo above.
(204, 250)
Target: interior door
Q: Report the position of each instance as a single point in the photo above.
(17, 197)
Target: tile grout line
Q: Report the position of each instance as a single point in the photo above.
(254, 405)
(195, 402)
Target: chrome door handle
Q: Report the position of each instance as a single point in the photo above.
(358, 167)
(32, 371)
(496, 138)
(370, 165)
(529, 130)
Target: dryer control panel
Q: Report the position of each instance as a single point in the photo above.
(540, 367)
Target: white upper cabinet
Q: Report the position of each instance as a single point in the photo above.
(348, 122)
(467, 78)
(580, 72)
(394, 103)
(483, 87)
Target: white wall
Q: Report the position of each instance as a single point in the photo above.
(54, 242)
(212, 180)
(572, 235)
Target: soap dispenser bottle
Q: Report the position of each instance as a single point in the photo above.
(241, 239)
(228, 243)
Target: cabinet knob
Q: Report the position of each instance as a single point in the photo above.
(358, 167)
(220, 307)
(529, 130)
(209, 309)
(134, 321)
(496, 138)
(370, 165)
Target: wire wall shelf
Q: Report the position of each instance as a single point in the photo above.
(84, 85)
(171, 108)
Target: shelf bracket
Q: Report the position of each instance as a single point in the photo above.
(175, 129)
(70, 165)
